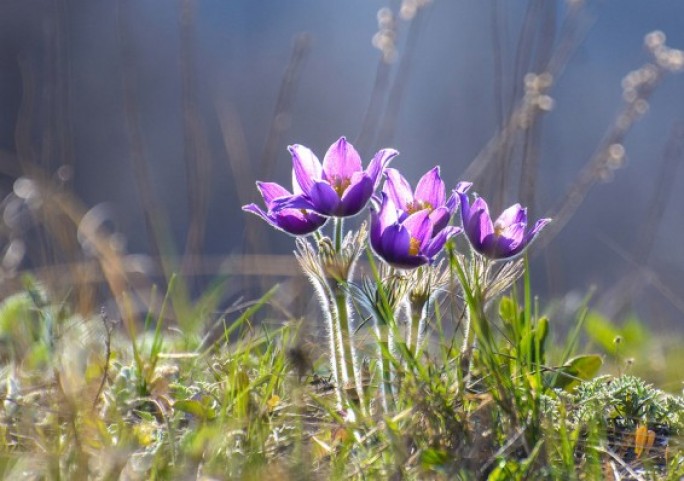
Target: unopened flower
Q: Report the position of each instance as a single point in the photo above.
(406, 243)
(382, 298)
(430, 194)
(339, 265)
(502, 239)
(293, 221)
(339, 187)
(426, 281)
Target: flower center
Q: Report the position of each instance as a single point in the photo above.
(417, 205)
(340, 184)
(414, 247)
(499, 230)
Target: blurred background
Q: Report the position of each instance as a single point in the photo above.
(131, 133)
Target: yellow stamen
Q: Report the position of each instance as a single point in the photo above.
(498, 230)
(340, 184)
(416, 205)
(414, 246)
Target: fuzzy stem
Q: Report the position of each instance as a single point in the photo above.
(470, 301)
(421, 332)
(336, 350)
(418, 320)
(339, 341)
(338, 224)
(348, 354)
(333, 337)
(387, 396)
(467, 332)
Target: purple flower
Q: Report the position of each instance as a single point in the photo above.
(293, 221)
(406, 243)
(430, 194)
(339, 187)
(504, 238)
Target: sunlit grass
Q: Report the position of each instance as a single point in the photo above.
(454, 370)
(82, 399)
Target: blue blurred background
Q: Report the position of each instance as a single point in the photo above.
(208, 93)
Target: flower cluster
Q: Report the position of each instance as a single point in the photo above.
(408, 230)
(408, 227)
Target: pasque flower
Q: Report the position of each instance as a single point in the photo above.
(430, 194)
(339, 187)
(406, 243)
(504, 238)
(293, 221)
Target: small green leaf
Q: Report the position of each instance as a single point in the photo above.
(577, 369)
(145, 416)
(196, 408)
(540, 338)
(507, 310)
(506, 470)
(433, 459)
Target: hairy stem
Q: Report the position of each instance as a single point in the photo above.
(418, 321)
(345, 337)
(336, 363)
(338, 223)
(387, 396)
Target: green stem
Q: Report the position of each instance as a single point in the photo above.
(385, 370)
(414, 339)
(470, 302)
(348, 361)
(336, 363)
(338, 223)
(467, 332)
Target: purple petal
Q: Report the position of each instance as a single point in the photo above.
(306, 167)
(465, 207)
(497, 247)
(440, 219)
(294, 222)
(515, 214)
(463, 187)
(290, 221)
(376, 228)
(437, 242)
(388, 211)
(430, 188)
(538, 226)
(506, 244)
(394, 248)
(255, 209)
(480, 223)
(379, 162)
(407, 261)
(296, 188)
(515, 233)
(451, 203)
(395, 242)
(301, 201)
(419, 227)
(356, 196)
(324, 199)
(398, 189)
(270, 191)
(528, 238)
(341, 161)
